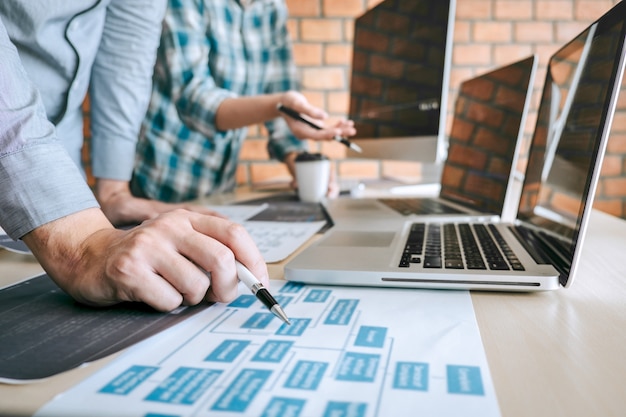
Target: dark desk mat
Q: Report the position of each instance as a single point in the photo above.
(43, 331)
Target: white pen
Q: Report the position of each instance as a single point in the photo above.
(260, 291)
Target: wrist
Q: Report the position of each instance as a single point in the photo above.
(65, 250)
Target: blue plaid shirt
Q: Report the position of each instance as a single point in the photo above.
(210, 50)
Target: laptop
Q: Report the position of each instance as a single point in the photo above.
(484, 143)
(541, 248)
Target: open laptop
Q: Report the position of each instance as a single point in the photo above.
(541, 248)
(485, 140)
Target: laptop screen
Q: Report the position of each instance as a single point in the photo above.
(484, 140)
(573, 122)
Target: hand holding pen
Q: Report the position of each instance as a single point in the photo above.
(299, 117)
(260, 291)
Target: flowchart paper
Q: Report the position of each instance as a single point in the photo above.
(349, 352)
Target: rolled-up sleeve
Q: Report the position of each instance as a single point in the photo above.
(121, 83)
(39, 182)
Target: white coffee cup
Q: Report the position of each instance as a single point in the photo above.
(312, 175)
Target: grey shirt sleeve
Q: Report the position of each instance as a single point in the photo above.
(121, 80)
(39, 182)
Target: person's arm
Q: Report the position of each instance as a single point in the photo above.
(164, 262)
(46, 202)
(119, 92)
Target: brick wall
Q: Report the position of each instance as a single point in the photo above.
(487, 33)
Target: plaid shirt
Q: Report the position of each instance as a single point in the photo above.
(210, 50)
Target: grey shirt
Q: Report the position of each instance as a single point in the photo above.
(38, 180)
(106, 46)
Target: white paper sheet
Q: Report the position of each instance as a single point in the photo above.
(358, 352)
(275, 240)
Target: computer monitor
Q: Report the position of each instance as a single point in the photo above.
(400, 77)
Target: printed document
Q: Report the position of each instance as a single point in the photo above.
(359, 352)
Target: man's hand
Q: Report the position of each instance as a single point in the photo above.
(177, 258)
(122, 208)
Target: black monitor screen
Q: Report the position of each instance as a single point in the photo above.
(571, 130)
(399, 68)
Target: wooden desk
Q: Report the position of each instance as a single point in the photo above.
(550, 354)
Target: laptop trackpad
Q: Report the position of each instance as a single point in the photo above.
(364, 239)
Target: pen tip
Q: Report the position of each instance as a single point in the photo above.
(278, 312)
(356, 147)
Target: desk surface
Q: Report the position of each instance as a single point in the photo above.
(550, 354)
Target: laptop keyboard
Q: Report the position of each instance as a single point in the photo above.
(408, 206)
(458, 246)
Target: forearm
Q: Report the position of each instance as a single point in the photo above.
(238, 112)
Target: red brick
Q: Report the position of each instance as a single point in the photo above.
(475, 9)
(493, 32)
(475, 54)
(616, 144)
(338, 102)
(316, 98)
(461, 32)
(613, 187)
(533, 32)
(330, 30)
(507, 53)
(347, 8)
(554, 10)
(566, 31)
(513, 9)
(590, 10)
(324, 78)
(293, 28)
(611, 166)
(338, 54)
(307, 54)
(304, 8)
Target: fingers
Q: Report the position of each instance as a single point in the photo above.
(166, 262)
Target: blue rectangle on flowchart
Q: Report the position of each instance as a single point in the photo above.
(306, 375)
(297, 327)
(284, 407)
(283, 300)
(464, 380)
(370, 336)
(317, 296)
(227, 351)
(342, 312)
(272, 351)
(411, 376)
(242, 391)
(358, 367)
(243, 301)
(184, 386)
(292, 287)
(344, 409)
(258, 321)
(128, 380)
